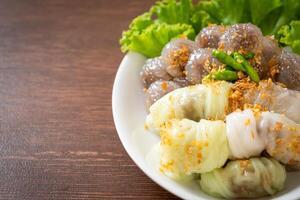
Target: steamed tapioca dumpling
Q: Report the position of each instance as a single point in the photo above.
(289, 69)
(158, 89)
(176, 54)
(275, 98)
(154, 69)
(210, 36)
(253, 178)
(200, 63)
(266, 63)
(242, 37)
(270, 48)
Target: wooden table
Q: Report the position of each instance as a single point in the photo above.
(58, 59)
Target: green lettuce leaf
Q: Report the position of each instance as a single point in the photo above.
(152, 39)
(167, 19)
(173, 11)
(201, 19)
(290, 35)
(135, 28)
(279, 16)
(227, 11)
(269, 15)
(259, 9)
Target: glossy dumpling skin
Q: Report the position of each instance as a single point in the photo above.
(200, 63)
(158, 89)
(194, 102)
(210, 36)
(243, 138)
(256, 177)
(176, 54)
(190, 147)
(250, 133)
(289, 69)
(282, 138)
(154, 69)
(242, 37)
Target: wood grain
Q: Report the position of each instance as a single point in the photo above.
(58, 59)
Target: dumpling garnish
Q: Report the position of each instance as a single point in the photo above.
(273, 97)
(256, 177)
(269, 97)
(200, 63)
(176, 54)
(189, 147)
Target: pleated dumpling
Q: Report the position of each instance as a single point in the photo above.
(194, 102)
(251, 178)
(282, 138)
(243, 138)
(192, 147)
(249, 134)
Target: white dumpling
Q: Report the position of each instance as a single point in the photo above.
(248, 135)
(243, 139)
(282, 138)
(189, 147)
(194, 102)
(256, 177)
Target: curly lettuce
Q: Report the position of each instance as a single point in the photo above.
(152, 39)
(173, 12)
(290, 35)
(168, 19)
(269, 15)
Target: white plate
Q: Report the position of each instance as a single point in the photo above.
(129, 114)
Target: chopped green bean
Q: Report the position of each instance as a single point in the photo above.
(249, 55)
(249, 69)
(228, 60)
(226, 75)
(227, 67)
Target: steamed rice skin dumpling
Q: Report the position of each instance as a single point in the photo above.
(256, 177)
(249, 133)
(194, 102)
(189, 147)
(243, 138)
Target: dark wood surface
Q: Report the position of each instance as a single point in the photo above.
(58, 59)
